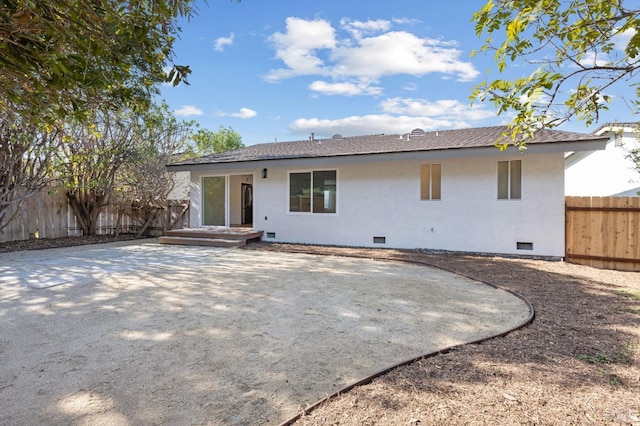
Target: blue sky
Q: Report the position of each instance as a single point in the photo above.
(281, 69)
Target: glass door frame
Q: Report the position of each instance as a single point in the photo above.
(226, 199)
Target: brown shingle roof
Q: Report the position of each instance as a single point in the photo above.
(381, 144)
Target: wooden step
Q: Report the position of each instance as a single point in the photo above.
(197, 241)
(217, 233)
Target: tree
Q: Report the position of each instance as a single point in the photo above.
(575, 48)
(634, 155)
(55, 55)
(88, 162)
(209, 142)
(25, 158)
(143, 182)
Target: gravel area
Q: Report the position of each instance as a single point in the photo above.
(577, 363)
(138, 333)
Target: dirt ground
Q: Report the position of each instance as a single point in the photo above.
(578, 362)
(140, 333)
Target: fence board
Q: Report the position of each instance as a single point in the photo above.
(603, 232)
(47, 215)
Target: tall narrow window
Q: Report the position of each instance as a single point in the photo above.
(510, 180)
(300, 192)
(313, 192)
(430, 181)
(515, 179)
(324, 191)
(213, 200)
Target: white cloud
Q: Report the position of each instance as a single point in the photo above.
(345, 88)
(221, 42)
(361, 28)
(368, 52)
(298, 46)
(398, 115)
(452, 109)
(243, 113)
(621, 40)
(187, 110)
(370, 124)
(592, 59)
(406, 21)
(400, 52)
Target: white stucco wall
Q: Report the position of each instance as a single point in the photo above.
(180, 190)
(603, 173)
(382, 199)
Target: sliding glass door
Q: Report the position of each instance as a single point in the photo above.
(214, 195)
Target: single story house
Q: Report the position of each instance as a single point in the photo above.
(607, 172)
(445, 190)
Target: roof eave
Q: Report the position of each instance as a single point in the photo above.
(590, 144)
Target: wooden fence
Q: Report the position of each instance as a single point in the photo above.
(47, 215)
(603, 232)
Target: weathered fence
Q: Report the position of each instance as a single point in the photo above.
(47, 215)
(603, 232)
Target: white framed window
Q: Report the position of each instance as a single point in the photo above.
(430, 181)
(313, 191)
(510, 180)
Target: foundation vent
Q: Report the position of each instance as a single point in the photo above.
(524, 246)
(379, 240)
(271, 234)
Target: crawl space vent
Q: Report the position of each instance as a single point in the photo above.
(379, 240)
(524, 246)
(271, 234)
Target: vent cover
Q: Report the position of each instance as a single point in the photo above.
(417, 132)
(379, 240)
(524, 246)
(271, 234)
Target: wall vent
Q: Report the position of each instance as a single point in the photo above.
(379, 240)
(524, 246)
(271, 234)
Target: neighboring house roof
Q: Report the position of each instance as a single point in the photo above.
(616, 125)
(416, 141)
(612, 127)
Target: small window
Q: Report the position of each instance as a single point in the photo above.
(313, 192)
(510, 180)
(430, 181)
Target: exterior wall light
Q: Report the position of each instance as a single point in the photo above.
(264, 173)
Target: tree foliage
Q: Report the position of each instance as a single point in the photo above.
(55, 55)
(25, 159)
(634, 155)
(208, 142)
(87, 164)
(143, 182)
(580, 50)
